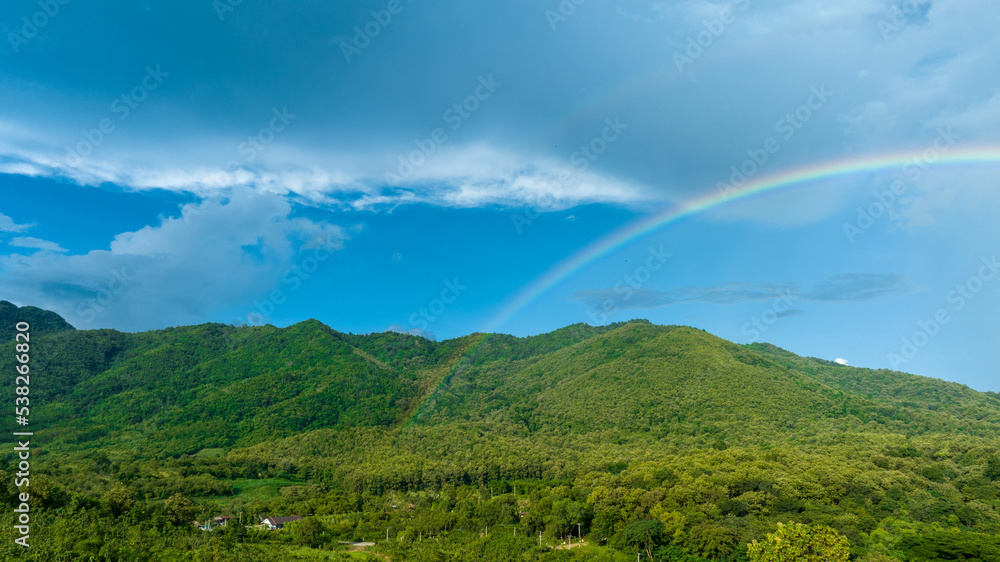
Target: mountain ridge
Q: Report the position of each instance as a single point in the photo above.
(607, 427)
(234, 375)
(40, 320)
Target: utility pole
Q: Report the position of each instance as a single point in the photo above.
(539, 538)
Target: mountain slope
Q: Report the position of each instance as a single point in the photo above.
(922, 397)
(183, 389)
(41, 321)
(597, 428)
(635, 377)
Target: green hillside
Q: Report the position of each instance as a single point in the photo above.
(663, 439)
(41, 321)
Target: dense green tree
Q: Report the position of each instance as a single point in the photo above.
(992, 470)
(179, 510)
(120, 499)
(310, 532)
(642, 535)
(801, 543)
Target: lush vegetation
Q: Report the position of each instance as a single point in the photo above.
(661, 441)
(42, 320)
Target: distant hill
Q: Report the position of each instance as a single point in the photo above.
(41, 321)
(183, 389)
(598, 427)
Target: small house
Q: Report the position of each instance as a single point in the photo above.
(273, 523)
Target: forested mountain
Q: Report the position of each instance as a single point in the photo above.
(42, 321)
(660, 439)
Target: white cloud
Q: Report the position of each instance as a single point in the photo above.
(36, 243)
(979, 121)
(841, 361)
(482, 175)
(461, 177)
(946, 197)
(413, 332)
(7, 224)
(217, 255)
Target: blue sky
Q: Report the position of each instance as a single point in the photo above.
(418, 166)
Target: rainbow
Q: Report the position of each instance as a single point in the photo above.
(785, 180)
(790, 179)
